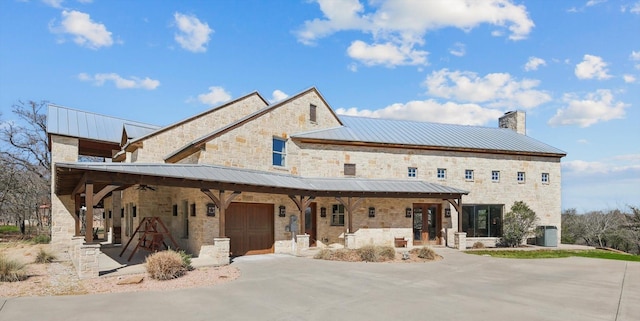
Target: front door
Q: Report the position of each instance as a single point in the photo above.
(310, 223)
(426, 224)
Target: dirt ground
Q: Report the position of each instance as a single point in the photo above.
(60, 277)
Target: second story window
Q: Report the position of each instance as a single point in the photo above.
(412, 172)
(279, 151)
(349, 169)
(312, 113)
(495, 176)
(442, 173)
(468, 174)
(521, 177)
(545, 178)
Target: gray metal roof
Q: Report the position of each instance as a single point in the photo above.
(76, 123)
(404, 132)
(134, 131)
(212, 173)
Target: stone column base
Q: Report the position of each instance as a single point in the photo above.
(88, 260)
(461, 241)
(350, 241)
(220, 251)
(302, 243)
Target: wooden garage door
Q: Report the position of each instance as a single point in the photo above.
(250, 228)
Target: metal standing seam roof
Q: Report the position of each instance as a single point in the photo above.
(76, 123)
(266, 179)
(405, 132)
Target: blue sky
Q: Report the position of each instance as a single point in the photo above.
(573, 66)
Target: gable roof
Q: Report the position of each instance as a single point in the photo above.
(429, 135)
(85, 125)
(195, 145)
(176, 124)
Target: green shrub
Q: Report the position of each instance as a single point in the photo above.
(517, 224)
(45, 256)
(165, 265)
(41, 239)
(11, 270)
(9, 229)
(186, 260)
(425, 253)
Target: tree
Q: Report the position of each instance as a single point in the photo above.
(25, 163)
(517, 224)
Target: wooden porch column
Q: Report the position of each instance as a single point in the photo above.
(350, 205)
(302, 203)
(222, 201)
(88, 200)
(457, 204)
(76, 216)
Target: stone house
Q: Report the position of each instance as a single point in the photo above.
(252, 177)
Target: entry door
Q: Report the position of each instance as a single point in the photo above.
(426, 224)
(310, 223)
(249, 227)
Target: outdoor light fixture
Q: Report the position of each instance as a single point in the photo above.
(372, 212)
(211, 209)
(283, 211)
(323, 212)
(407, 212)
(447, 212)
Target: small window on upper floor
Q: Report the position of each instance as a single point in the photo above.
(442, 173)
(279, 151)
(349, 169)
(312, 113)
(545, 178)
(412, 172)
(495, 176)
(521, 177)
(468, 174)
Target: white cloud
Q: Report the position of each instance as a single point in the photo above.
(277, 96)
(611, 165)
(594, 107)
(635, 56)
(53, 3)
(635, 8)
(629, 79)
(592, 67)
(387, 54)
(534, 63)
(397, 27)
(458, 50)
(430, 110)
(120, 82)
(193, 35)
(85, 32)
(353, 67)
(496, 90)
(583, 141)
(591, 3)
(215, 96)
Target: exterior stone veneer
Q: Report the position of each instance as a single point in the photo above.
(63, 149)
(302, 243)
(461, 241)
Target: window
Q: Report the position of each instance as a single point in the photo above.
(279, 151)
(468, 174)
(350, 169)
(185, 219)
(495, 176)
(412, 172)
(312, 113)
(520, 177)
(193, 209)
(442, 173)
(337, 215)
(482, 220)
(545, 178)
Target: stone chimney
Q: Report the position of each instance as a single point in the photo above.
(514, 120)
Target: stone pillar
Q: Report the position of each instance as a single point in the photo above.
(63, 149)
(221, 250)
(88, 261)
(302, 243)
(350, 241)
(461, 240)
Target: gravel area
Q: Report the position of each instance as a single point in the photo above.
(60, 278)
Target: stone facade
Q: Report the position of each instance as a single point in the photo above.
(63, 149)
(249, 144)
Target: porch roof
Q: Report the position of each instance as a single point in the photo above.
(69, 176)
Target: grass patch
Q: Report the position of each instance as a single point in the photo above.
(45, 256)
(11, 270)
(550, 254)
(9, 229)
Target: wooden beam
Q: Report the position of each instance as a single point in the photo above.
(76, 215)
(88, 200)
(457, 204)
(302, 203)
(350, 205)
(97, 197)
(81, 185)
(222, 201)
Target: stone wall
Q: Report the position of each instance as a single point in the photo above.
(63, 149)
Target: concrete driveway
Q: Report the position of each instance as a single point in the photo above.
(460, 287)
